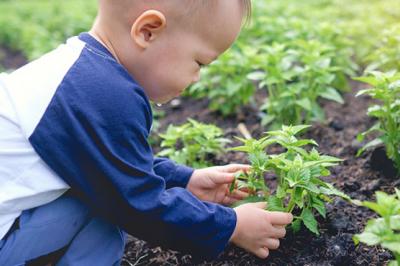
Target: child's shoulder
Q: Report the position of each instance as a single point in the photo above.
(79, 76)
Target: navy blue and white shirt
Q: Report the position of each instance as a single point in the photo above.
(75, 119)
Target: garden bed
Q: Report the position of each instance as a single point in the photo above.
(10, 59)
(354, 176)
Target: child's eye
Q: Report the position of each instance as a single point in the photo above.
(200, 64)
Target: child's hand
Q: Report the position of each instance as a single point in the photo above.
(258, 230)
(212, 184)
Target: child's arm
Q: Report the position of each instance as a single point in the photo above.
(175, 175)
(99, 147)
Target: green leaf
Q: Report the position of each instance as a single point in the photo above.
(362, 92)
(395, 222)
(309, 221)
(369, 145)
(275, 204)
(232, 186)
(257, 76)
(370, 80)
(393, 246)
(332, 94)
(310, 187)
(305, 103)
(280, 192)
(250, 199)
(329, 189)
(267, 119)
(376, 127)
(296, 225)
(304, 142)
(319, 206)
(367, 238)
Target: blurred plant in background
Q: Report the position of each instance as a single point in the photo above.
(386, 90)
(192, 143)
(298, 52)
(36, 27)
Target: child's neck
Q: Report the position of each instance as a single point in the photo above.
(106, 42)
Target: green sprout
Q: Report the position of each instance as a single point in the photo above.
(192, 143)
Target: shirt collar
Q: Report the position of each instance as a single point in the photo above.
(91, 41)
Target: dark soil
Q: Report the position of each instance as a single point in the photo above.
(334, 246)
(381, 162)
(355, 176)
(10, 59)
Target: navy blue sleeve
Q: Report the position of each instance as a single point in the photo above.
(94, 136)
(175, 175)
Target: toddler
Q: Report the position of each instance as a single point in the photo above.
(76, 170)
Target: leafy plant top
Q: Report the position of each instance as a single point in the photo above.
(385, 230)
(300, 188)
(385, 89)
(192, 143)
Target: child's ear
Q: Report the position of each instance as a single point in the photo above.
(147, 27)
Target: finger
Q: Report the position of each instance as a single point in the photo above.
(238, 194)
(245, 189)
(277, 232)
(280, 218)
(222, 178)
(232, 168)
(272, 243)
(260, 205)
(229, 201)
(262, 253)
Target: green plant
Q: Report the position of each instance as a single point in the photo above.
(192, 143)
(387, 54)
(224, 82)
(384, 230)
(36, 27)
(154, 137)
(385, 89)
(298, 170)
(296, 75)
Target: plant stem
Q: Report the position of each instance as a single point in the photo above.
(397, 256)
(291, 204)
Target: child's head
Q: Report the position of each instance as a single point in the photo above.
(163, 43)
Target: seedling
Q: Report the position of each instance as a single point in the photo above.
(385, 230)
(192, 143)
(385, 89)
(299, 189)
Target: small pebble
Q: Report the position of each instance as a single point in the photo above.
(175, 103)
(336, 125)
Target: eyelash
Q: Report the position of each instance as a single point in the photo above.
(200, 64)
